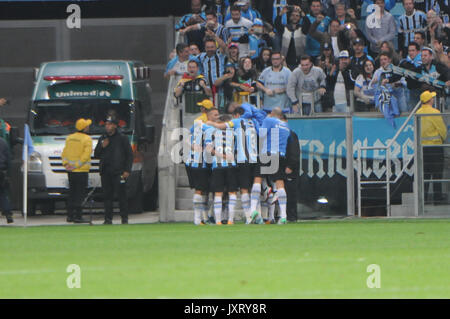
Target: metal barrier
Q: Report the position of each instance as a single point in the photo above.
(387, 150)
(431, 206)
(166, 167)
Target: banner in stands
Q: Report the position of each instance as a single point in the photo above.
(324, 149)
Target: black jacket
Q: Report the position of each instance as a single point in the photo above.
(293, 153)
(115, 158)
(5, 156)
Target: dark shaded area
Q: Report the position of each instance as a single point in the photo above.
(93, 9)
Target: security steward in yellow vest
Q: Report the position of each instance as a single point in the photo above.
(433, 132)
(76, 158)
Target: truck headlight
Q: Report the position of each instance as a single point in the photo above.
(35, 163)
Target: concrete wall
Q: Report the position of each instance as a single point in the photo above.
(28, 43)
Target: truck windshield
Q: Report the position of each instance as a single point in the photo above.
(58, 117)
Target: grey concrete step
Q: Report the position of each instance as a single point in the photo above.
(184, 193)
(182, 181)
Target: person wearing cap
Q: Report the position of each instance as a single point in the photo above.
(358, 57)
(116, 159)
(433, 132)
(76, 158)
(340, 82)
(205, 105)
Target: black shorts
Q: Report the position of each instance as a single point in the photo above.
(279, 174)
(245, 175)
(198, 178)
(224, 180)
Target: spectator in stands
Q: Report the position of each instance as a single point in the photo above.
(384, 76)
(409, 23)
(247, 11)
(224, 84)
(358, 58)
(196, 16)
(306, 85)
(263, 61)
(339, 82)
(364, 92)
(257, 39)
(438, 47)
(387, 47)
(412, 62)
(420, 39)
(212, 61)
(326, 59)
(341, 14)
(380, 29)
(237, 25)
(436, 27)
(291, 35)
(192, 81)
(434, 69)
(220, 7)
(347, 34)
(327, 37)
(433, 135)
(233, 54)
(194, 50)
(273, 82)
(246, 80)
(312, 45)
(238, 28)
(178, 65)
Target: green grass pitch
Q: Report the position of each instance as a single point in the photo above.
(309, 259)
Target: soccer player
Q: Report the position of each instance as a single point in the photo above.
(274, 134)
(220, 144)
(246, 149)
(197, 168)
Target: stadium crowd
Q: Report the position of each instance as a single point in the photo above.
(255, 63)
(298, 54)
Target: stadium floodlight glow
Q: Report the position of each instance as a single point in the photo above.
(322, 200)
(82, 77)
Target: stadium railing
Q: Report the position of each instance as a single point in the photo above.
(387, 151)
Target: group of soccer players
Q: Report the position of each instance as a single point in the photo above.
(245, 151)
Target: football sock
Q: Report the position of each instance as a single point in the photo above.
(254, 197)
(245, 200)
(218, 208)
(198, 208)
(231, 206)
(282, 201)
